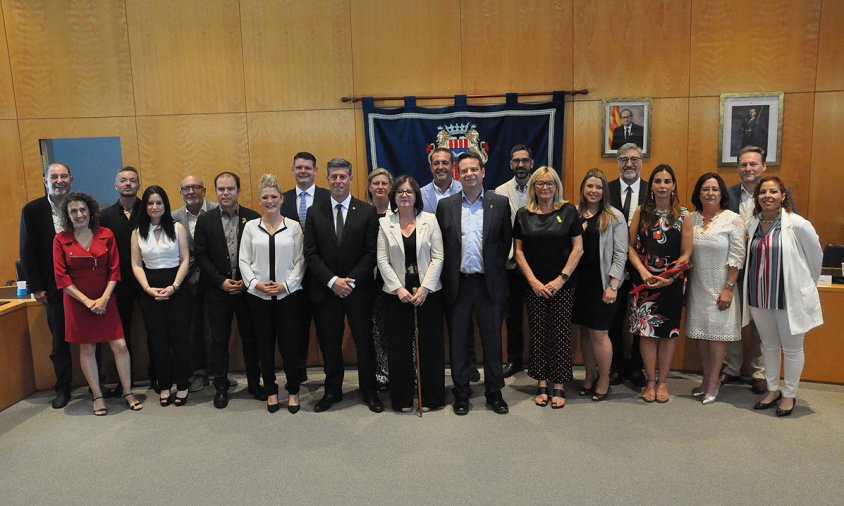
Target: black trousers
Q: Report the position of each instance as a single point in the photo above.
(59, 349)
(515, 310)
(472, 296)
(167, 323)
(400, 335)
(196, 335)
(277, 321)
(222, 307)
(329, 320)
(619, 327)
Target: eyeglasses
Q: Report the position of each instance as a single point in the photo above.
(626, 117)
(635, 160)
(195, 187)
(545, 184)
(405, 192)
(517, 161)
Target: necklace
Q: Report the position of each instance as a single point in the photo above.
(767, 222)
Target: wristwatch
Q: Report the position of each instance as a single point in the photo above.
(731, 284)
(613, 287)
(564, 276)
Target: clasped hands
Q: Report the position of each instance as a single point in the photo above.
(547, 290)
(232, 287)
(160, 294)
(271, 288)
(343, 287)
(98, 306)
(417, 298)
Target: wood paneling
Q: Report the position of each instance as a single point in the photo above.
(406, 48)
(7, 92)
(586, 145)
(498, 34)
(69, 59)
(632, 48)
(831, 47)
(186, 56)
(703, 143)
(670, 141)
(31, 131)
(275, 137)
(18, 379)
(761, 45)
(11, 171)
(172, 147)
(827, 179)
(296, 55)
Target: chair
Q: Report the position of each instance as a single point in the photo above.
(833, 257)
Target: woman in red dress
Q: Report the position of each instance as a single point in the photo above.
(87, 267)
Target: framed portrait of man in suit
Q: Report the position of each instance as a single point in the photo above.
(626, 120)
(750, 119)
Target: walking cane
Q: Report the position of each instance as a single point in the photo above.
(418, 370)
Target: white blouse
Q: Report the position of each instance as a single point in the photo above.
(272, 257)
(162, 253)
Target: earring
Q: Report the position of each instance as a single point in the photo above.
(653, 197)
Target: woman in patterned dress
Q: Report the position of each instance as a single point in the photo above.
(661, 233)
(379, 185)
(712, 319)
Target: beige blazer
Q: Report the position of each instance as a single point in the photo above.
(429, 252)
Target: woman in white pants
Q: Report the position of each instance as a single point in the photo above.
(783, 263)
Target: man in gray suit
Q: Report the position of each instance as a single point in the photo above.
(192, 190)
(477, 233)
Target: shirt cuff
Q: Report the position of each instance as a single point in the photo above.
(332, 280)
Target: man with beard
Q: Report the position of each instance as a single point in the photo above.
(443, 185)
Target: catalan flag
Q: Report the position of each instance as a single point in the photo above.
(615, 122)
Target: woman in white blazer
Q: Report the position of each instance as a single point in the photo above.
(410, 259)
(601, 272)
(780, 293)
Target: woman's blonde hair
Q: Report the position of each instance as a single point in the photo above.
(268, 181)
(532, 205)
(380, 171)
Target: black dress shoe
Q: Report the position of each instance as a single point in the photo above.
(615, 377)
(374, 404)
(461, 407)
(221, 398)
(637, 378)
(511, 368)
(257, 392)
(326, 402)
(729, 378)
(497, 404)
(61, 400)
(759, 386)
(474, 374)
(765, 405)
(293, 408)
(272, 408)
(786, 412)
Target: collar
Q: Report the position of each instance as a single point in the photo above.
(466, 199)
(310, 191)
(744, 191)
(232, 214)
(450, 188)
(345, 203)
(635, 186)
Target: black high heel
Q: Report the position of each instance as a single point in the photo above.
(293, 408)
(181, 401)
(583, 392)
(765, 405)
(596, 397)
(103, 411)
(166, 401)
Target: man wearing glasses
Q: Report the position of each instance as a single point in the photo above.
(627, 132)
(521, 164)
(192, 190)
(626, 193)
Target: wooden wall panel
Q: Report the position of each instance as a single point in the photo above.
(15, 358)
(796, 167)
(831, 47)
(586, 143)
(11, 171)
(632, 48)
(172, 147)
(275, 137)
(296, 55)
(69, 59)
(31, 131)
(670, 141)
(186, 56)
(7, 91)
(406, 48)
(703, 143)
(754, 45)
(827, 178)
(496, 36)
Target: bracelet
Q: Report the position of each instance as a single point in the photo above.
(175, 286)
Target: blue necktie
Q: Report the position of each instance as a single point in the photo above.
(303, 208)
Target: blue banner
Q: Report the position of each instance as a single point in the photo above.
(399, 139)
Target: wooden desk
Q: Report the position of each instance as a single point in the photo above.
(16, 368)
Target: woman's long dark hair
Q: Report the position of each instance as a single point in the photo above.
(167, 223)
(647, 216)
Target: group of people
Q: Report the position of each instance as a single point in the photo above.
(413, 259)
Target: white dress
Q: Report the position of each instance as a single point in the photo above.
(715, 249)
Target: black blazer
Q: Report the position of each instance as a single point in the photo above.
(637, 136)
(497, 239)
(112, 218)
(289, 208)
(615, 194)
(36, 246)
(212, 253)
(353, 257)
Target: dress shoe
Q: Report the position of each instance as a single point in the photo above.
(759, 386)
(650, 393)
(697, 392)
(725, 378)
(637, 378)
(374, 404)
(786, 412)
(257, 392)
(496, 403)
(293, 408)
(61, 400)
(272, 408)
(662, 393)
(765, 405)
(197, 383)
(474, 374)
(615, 377)
(461, 407)
(708, 399)
(181, 401)
(596, 397)
(221, 398)
(512, 367)
(326, 402)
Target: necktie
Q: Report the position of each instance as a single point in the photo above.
(626, 207)
(339, 222)
(626, 132)
(303, 208)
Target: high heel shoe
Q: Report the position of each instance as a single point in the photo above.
(166, 401)
(786, 412)
(662, 393)
(697, 392)
(293, 408)
(103, 411)
(584, 390)
(708, 399)
(181, 401)
(650, 392)
(596, 397)
(765, 405)
(134, 406)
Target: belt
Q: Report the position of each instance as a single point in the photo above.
(474, 275)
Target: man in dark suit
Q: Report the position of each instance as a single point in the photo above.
(40, 222)
(626, 194)
(295, 205)
(122, 218)
(477, 233)
(340, 241)
(216, 245)
(627, 132)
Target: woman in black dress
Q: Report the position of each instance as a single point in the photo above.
(661, 233)
(379, 184)
(547, 248)
(600, 272)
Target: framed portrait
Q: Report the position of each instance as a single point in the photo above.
(750, 119)
(626, 120)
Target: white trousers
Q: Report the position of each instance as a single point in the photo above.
(779, 343)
